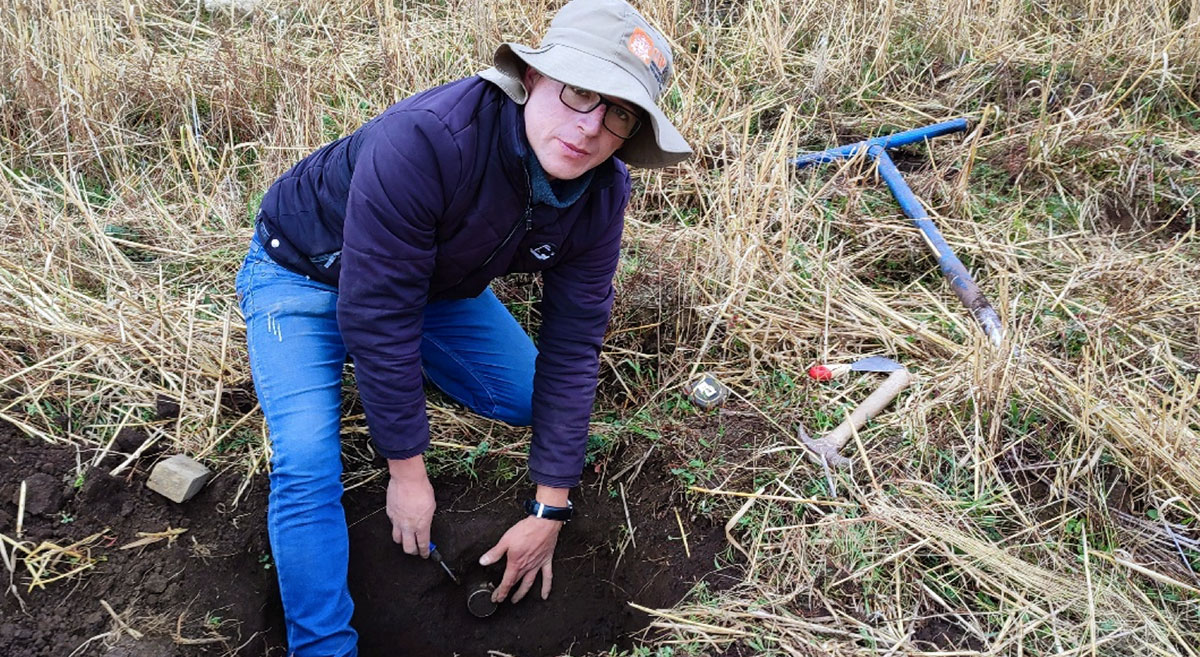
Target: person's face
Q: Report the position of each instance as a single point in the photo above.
(567, 143)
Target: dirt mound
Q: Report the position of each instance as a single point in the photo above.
(189, 579)
(197, 578)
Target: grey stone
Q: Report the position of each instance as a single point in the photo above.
(178, 478)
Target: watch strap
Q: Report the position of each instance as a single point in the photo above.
(539, 510)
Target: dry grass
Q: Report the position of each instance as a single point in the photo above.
(1037, 500)
(46, 562)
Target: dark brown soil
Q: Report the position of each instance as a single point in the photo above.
(211, 590)
(942, 633)
(405, 602)
(206, 592)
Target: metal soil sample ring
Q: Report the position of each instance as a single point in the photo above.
(479, 600)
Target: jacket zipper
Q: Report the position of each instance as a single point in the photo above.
(526, 218)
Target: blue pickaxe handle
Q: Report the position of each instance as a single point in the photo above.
(888, 141)
(961, 282)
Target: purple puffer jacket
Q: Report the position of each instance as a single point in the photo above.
(431, 200)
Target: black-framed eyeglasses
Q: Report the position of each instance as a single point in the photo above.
(618, 119)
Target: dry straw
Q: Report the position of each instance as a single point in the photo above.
(1034, 501)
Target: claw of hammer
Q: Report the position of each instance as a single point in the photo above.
(822, 453)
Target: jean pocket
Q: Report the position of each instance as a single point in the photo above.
(256, 252)
(241, 286)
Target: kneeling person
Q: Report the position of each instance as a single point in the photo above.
(381, 245)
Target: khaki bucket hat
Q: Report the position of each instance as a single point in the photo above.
(607, 47)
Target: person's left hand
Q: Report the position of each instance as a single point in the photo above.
(529, 546)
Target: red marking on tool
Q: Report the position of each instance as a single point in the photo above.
(820, 373)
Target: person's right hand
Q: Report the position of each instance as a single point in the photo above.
(410, 504)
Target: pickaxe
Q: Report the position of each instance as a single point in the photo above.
(824, 450)
(960, 279)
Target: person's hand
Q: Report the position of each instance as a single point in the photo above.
(410, 504)
(529, 546)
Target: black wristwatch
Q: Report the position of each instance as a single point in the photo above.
(539, 510)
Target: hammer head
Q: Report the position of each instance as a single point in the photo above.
(821, 452)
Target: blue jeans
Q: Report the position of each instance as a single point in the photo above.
(472, 349)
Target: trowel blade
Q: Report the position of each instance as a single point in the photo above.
(876, 364)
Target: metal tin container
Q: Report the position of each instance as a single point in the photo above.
(479, 600)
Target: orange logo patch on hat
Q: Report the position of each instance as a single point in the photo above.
(642, 46)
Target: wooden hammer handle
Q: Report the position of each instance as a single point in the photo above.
(869, 407)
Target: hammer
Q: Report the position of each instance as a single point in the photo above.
(824, 450)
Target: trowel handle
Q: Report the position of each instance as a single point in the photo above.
(869, 407)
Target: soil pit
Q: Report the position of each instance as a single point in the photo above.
(407, 603)
(211, 590)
